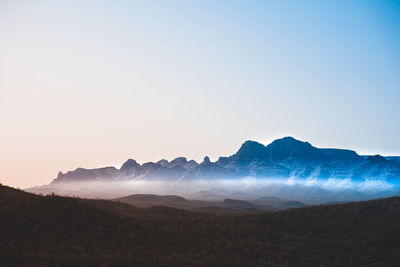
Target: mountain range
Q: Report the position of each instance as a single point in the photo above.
(286, 158)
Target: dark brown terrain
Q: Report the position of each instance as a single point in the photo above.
(226, 205)
(60, 231)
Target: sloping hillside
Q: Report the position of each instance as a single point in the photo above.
(59, 231)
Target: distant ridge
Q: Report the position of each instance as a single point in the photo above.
(285, 158)
(227, 205)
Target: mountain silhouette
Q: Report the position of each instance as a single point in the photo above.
(285, 158)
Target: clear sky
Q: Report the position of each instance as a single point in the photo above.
(92, 83)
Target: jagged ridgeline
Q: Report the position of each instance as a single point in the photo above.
(286, 168)
(284, 158)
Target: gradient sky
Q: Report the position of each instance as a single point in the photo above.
(92, 83)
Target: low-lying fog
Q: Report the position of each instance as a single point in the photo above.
(306, 191)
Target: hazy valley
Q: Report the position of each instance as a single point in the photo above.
(287, 168)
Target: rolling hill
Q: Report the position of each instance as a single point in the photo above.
(60, 231)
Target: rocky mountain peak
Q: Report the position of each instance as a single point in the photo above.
(251, 148)
(206, 160)
(180, 161)
(162, 162)
(129, 164)
(289, 147)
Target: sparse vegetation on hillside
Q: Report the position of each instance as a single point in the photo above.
(59, 231)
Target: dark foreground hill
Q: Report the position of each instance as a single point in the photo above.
(58, 231)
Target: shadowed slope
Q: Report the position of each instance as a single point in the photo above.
(51, 230)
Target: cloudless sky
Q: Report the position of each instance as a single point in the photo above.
(93, 83)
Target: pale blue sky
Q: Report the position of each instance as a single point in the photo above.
(92, 83)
